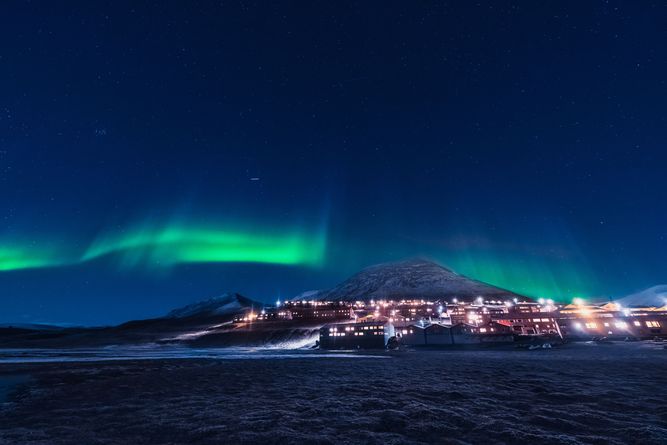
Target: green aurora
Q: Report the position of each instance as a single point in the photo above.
(533, 277)
(159, 245)
(183, 243)
(14, 257)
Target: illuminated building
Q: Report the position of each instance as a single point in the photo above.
(365, 335)
(434, 334)
(319, 310)
(577, 321)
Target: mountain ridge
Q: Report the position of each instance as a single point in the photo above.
(413, 278)
(224, 304)
(655, 296)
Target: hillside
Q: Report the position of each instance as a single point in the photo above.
(412, 279)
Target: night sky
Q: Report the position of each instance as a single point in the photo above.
(152, 155)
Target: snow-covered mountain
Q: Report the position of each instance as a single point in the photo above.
(221, 305)
(655, 296)
(412, 279)
(308, 295)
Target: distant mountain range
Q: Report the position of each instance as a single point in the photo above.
(417, 279)
(217, 306)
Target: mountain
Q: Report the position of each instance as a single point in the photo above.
(191, 322)
(417, 278)
(225, 304)
(32, 326)
(655, 296)
(209, 322)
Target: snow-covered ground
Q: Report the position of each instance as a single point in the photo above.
(580, 393)
(159, 352)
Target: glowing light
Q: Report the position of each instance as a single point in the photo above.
(578, 301)
(168, 243)
(186, 243)
(532, 276)
(14, 257)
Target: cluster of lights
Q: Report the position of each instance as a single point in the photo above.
(356, 331)
(474, 313)
(291, 303)
(619, 324)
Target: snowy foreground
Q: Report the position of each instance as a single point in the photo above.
(581, 393)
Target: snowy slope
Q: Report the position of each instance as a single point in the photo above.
(655, 296)
(222, 305)
(412, 279)
(308, 295)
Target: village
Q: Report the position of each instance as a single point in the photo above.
(388, 323)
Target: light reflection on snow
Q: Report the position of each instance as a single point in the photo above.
(117, 353)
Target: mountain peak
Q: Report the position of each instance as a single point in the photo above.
(412, 278)
(411, 263)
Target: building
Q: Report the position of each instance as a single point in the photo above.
(365, 335)
(425, 334)
(581, 321)
(319, 310)
(576, 321)
(415, 310)
(530, 324)
(457, 313)
(619, 326)
(309, 311)
(437, 334)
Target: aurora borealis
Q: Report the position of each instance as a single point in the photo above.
(158, 247)
(190, 244)
(561, 282)
(22, 257)
(154, 156)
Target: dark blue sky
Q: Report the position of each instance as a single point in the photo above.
(521, 143)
